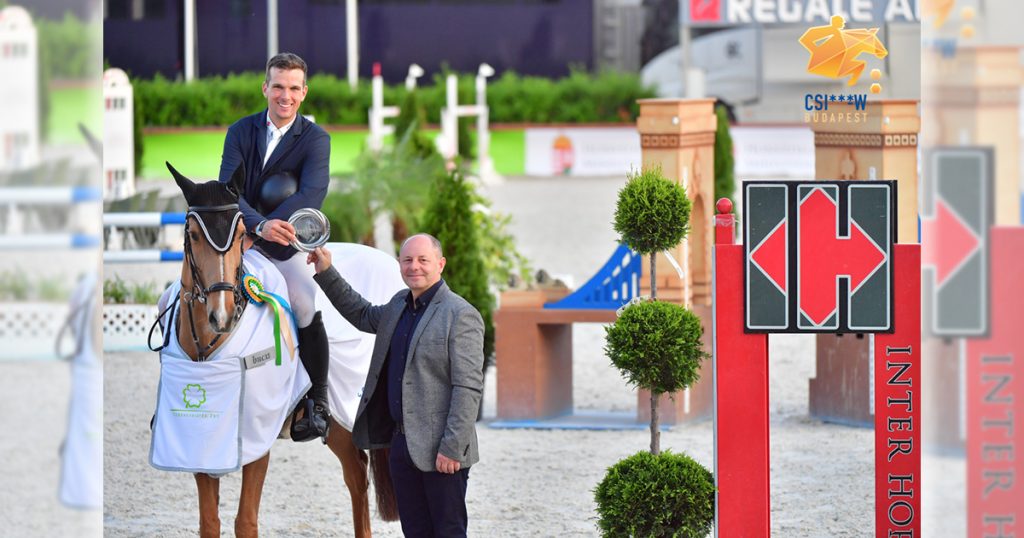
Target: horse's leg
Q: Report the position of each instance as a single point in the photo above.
(353, 466)
(209, 499)
(247, 520)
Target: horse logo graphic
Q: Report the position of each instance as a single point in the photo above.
(939, 9)
(194, 395)
(834, 50)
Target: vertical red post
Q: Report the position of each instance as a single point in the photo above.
(898, 405)
(995, 399)
(741, 396)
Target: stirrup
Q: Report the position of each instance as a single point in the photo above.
(314, 423)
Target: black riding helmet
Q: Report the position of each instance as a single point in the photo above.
(276, 189)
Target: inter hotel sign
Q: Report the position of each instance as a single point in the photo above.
(733, 12)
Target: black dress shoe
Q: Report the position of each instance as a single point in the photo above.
(314, 423)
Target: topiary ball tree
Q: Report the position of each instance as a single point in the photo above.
(657, 346)
(656, 495)
(652, 215)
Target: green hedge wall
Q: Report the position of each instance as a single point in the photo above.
(579, 98)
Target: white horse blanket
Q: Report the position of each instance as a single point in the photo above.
(220, 414)
(376, 276)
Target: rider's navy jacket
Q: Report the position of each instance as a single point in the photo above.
(304, 151)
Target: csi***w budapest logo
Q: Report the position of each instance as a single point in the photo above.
(194, 396)
(836, 52)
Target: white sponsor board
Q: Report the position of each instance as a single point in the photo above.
(773, 152)
(785, 152)
(582, 151)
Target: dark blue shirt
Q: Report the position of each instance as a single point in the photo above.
(399, 351)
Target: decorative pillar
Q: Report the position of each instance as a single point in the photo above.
(679, 136)
(881, 145)
(977, 102)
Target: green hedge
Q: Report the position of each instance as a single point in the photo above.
(578, 98)
(68, 47)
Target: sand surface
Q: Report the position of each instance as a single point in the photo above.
(528, 482)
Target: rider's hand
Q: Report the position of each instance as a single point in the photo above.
(278, 231)
(320, 258)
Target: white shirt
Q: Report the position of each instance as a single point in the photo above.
(274, 136)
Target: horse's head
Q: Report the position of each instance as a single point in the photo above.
(877, 48)
(211, 275)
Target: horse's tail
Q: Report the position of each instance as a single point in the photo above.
(387, 505)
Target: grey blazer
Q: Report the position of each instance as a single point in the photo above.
(443, 380)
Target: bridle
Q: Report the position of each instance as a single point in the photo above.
(199, 292)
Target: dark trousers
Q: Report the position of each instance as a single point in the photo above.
(431, 505)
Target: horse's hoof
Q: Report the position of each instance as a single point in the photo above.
(314, 422)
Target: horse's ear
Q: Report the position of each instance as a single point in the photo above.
(237, 181)
(185, 184)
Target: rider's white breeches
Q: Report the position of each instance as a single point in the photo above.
(301, 287)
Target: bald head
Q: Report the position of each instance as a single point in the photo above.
(434, 242)
(422, 262)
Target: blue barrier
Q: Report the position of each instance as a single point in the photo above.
(614, 285)
(143, 219)
(50, 195)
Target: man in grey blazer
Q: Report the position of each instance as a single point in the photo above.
(423, 389)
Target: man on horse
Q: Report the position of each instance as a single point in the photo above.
(285, 159)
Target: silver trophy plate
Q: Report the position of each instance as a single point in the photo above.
(312, 229)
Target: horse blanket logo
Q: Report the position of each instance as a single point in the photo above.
(194, 396)
(834, 50)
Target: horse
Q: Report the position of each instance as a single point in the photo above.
(208, 316)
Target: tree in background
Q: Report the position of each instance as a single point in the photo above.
(449, 217)
(725, 181)
(411, 114)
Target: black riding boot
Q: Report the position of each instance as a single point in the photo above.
(314, 354)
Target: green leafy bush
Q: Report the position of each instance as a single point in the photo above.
(502, 259)
(605, 96)
(349, 213)
(66, 47)
(725, 182)
(118, 291)
(656, 345)
(19, 286)
(653, 213)
(411, 114)
(449, 217)
(651, 496)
